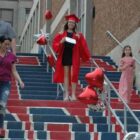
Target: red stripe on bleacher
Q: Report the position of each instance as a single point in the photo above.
(91, 127)
(28, 60)
(96, 136)
(58, 127)
(30, 134)
(80, 112)
(60, 135)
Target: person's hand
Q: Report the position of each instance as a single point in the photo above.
(62, 40)
(78, 35)
(17, 60)
(22, 84)
(90, 60)
(131, 64)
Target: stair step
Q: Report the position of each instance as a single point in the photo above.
(134, 106)
(28, 60)
(47, 110)
(44, 103)
(60, 118)
(41, 92)
(61, 135)
(37, 110)
(46, 88)
(71, 111)
(67, 127)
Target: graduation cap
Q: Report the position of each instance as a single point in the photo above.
(72, 17)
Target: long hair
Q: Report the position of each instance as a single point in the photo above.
(127, 46)
(2, 39)
(66, 27)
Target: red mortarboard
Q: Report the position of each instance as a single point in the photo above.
(72, 17)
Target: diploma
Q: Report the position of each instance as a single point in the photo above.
(70, 40)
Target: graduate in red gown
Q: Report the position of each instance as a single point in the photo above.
(70, 46)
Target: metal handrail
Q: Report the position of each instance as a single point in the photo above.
(109, 83)
(125, 105)
(61, 86)
(31, 26)
(47, 35)
(117, 41)
(28, 20)
(108, 102)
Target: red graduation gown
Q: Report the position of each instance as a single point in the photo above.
(80, 50)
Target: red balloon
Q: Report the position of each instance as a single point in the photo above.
(42, 40)
(95, 78)
(88, 96)
(51, 60)
(48, 14)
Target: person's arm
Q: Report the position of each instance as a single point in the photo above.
(12, 34)
(13, 44)
(83, 48)
(16, 76)
(134, 65)
(123, 65)
(57, 42)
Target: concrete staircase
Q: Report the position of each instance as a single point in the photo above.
(35, 113)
